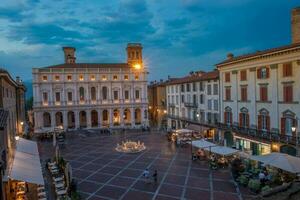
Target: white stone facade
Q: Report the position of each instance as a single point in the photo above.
(195, 99)
(92, 95)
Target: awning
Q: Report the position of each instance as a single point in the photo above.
(281, 161)
(197, 128)
(202, 144)
(224, 151)
(26, 165)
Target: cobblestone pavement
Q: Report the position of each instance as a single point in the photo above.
(103, 173)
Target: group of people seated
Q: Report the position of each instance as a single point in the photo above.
(58, 180)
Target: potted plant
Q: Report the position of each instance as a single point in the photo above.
(243, 180)
(266, 188)
(254, 185)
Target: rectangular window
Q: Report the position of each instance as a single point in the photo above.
(137, 94)
(209, 104)
(136, 77)
(216, 105)
(227, 77)
(45, 78)
(126, 77)
(243, 93)
(263, 73)
(194, 99)
(126, 95)
(57, 96)
(45, 97)
(288, 93)
(81, 77)
(209, 89)
(182, 98)
(243, 74)
(201, 98)
(263, 90)
(177, 99)
(115, 77)
(216, 89)
(227, 94)
(104, 78)
(182, 88)
(201, 86)
(116, 95)
(194, 87)
(56, 78)
(187, 87)
(93, 77)
(69, 77)
(69, 96)
(287, 70)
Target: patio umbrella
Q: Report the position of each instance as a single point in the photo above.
(280, 160)
(224, 151)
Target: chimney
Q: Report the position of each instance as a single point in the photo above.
(230, 56)
(295, 25)
(69, 55)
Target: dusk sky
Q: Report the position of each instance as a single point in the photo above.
(178, 36)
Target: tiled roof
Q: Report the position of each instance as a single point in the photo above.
(258, 53)
(3, 118)
(89, 65)
(195, 77)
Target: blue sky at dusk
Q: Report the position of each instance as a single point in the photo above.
(178, 35)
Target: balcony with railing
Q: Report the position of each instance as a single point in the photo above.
(191, 105)
(254, 133)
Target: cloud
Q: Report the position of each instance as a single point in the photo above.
(183, 35)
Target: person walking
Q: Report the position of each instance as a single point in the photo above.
(146, 175)
(155, 176)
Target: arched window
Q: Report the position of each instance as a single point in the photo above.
(228, 116)
(47, 119)
(288, 121)
(81, 94)
(244, 117)
(104, 93)
(93, 93)
(263, 120)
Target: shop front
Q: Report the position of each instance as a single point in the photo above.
(25, 175)
(252, 147)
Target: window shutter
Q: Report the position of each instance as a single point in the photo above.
(225, 118)
(258, 73)
(240, 119)
(283, 126)
(259, 124)
(268, 72)
(284, 69)
(231, 118)
(268, 122)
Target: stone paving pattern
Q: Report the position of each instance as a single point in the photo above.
(103, 173)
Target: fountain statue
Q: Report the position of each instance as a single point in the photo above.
(130, 147)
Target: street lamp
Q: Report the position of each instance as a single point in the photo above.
(17, 137)
(137, 66)
(296, 135)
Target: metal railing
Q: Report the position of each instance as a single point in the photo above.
(255, 133)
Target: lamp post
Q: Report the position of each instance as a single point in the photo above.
(294, 130)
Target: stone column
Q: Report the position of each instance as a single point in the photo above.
(52, 119)
(122, 117)
(88, 119)
(132, 117)
(77, 124)
(111, 117)
(99, 118)
(65, 119)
